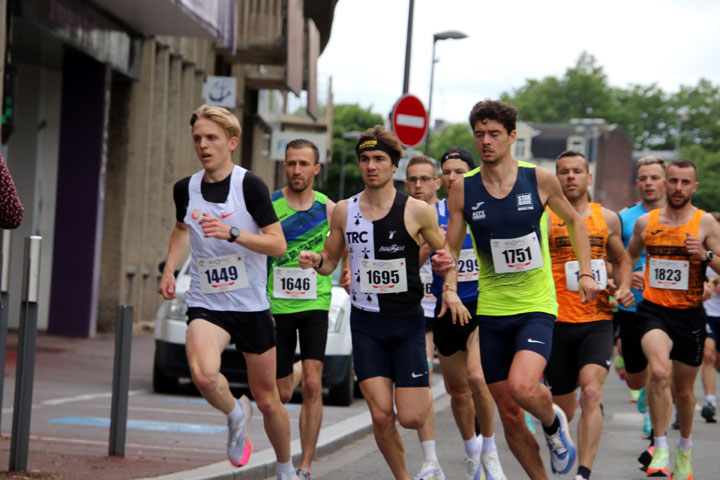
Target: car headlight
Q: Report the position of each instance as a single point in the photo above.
(177, 310)
(335, 318)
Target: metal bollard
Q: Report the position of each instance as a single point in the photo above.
(25, 371)
(121, 381)
(4, 287)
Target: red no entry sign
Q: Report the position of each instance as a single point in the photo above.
(409, 120)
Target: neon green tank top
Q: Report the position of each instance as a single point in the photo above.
(303, 230)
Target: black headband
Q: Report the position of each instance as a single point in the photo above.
(372, 144)
(458, 154)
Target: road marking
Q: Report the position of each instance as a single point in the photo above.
(144, 425)
(87, 396)
(288, 406)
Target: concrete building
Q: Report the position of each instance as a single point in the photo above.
(104, 93)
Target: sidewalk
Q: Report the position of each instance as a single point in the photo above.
(179, 436)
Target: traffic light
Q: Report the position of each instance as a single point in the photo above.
(8, 102)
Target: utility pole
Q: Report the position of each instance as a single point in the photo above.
(408, 48)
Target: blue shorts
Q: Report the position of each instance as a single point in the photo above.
(501, 337)
(713, 327)
(390, 346)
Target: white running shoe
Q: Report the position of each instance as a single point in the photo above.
(239, 447)
(491, 467)
(430, 471)
(472, 467)
(287, 476)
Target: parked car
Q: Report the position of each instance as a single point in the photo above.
(170, 363)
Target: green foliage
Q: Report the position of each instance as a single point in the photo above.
(347, 117)
(457, 135)
(707, 196)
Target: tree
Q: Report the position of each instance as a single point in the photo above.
(347, 117)
(456, 135)
(707, 196)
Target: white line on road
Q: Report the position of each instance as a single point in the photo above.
(80, 398)
(129, 445)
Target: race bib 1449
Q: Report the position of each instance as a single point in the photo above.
(222, 274)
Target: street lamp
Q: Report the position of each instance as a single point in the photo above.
(682, 113)
(449, 35)
(351, 135)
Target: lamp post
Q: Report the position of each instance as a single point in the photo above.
(351, 135)
(450, 34)
(682, 113)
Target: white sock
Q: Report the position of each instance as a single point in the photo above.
(281, 468)
(236, 413)
(488, 445)
(711, 400)
(472, 447)
(685, 443)
(428, 448)
(660, 442)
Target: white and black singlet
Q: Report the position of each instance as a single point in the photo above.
(383, 260)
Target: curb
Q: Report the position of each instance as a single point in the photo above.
(262, 463)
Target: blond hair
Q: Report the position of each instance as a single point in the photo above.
(222, 116)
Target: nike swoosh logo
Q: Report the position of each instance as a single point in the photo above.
(655, 232)
(225, 215)
(416, 375)
(530, 340)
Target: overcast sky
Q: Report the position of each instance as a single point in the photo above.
(670, 42)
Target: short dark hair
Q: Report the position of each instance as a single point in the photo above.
(681, 163)
(299, 143)
(494, 110)
(572, 153)
(385, 136)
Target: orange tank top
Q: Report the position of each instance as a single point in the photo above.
(672, 278)
(565, 269)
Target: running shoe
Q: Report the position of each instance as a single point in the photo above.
(708, 413)
(634, 395)
(641, 404)
(303, 474)
(683, 469)
(562, 450)
(287, 476)
(239, 447)
(472, 467)
(658, 466)
(429, 471)
(491, 467)
(620, 367)
(645, 458)
(647, 425)
(530, 422)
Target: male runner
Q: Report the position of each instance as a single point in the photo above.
(680, 241)
(503, 202)
(422, 183)
(711, 359)
(383, 229)
(300, 299)
(224, 214)
(583, 335)
(458, 346)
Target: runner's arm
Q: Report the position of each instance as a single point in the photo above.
(271, 242)
(179, 242)
(588, 287)
(454, 236)
(334, 244)
(711, 242)
(622, 272)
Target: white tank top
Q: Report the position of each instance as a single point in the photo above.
(252, 298)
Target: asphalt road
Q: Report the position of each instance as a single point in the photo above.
(621, 443)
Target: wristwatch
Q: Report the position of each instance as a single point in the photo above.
(234, 233)
(709, 256)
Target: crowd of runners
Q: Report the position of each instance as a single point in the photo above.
(513, 279)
